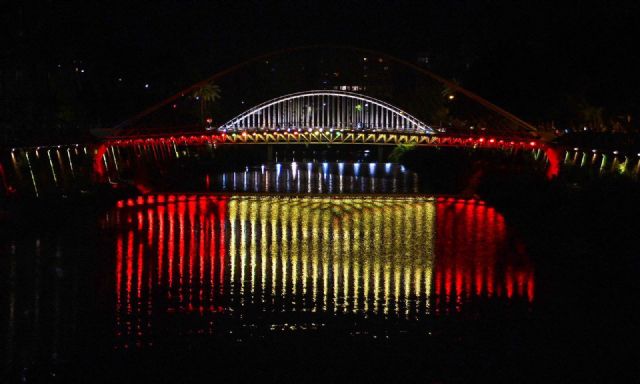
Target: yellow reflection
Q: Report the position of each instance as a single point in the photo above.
(346, 254)
(233, 212)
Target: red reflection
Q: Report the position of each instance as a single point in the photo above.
(149, 243)
(471, 245)
(554, 162)
(474, 258)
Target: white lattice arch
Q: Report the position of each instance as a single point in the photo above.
(326, 110)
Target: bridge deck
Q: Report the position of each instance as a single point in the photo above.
(328, 137)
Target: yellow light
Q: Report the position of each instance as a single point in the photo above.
(372, 257)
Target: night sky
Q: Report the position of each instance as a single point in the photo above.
(528, 57)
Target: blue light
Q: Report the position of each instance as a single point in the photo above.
(372, 169)
(387, 167)
(356, 168)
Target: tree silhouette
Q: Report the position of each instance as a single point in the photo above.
(207, 95)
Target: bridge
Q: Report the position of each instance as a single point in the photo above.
(317, 117)
(323, 117)
(314, 117)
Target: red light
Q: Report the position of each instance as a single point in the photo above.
(532, 143)
(209, 120)
(481, 139)
(492, 140)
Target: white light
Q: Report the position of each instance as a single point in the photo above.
(575, 149)
(146, 85)
(615, 152)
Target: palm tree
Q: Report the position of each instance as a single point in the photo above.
(207, 94)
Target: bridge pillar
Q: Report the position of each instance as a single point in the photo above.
(380, 153)
(270, 153)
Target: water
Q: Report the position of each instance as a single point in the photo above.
(254, 264)
(314, 177)
(288, 277)
(170, 270)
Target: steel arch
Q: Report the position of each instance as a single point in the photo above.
(326, 110)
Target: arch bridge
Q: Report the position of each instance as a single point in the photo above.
(325, 117)
(318, 117)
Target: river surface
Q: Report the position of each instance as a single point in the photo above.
(344, 263)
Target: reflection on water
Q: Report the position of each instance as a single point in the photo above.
(313, 177)
(193, 262)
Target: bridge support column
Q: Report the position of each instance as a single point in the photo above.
(270, 153)
(380, 153)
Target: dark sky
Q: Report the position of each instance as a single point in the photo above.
(524, 55)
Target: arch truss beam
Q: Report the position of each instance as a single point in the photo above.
(325, 110)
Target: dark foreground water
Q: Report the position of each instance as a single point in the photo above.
(236, 286)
